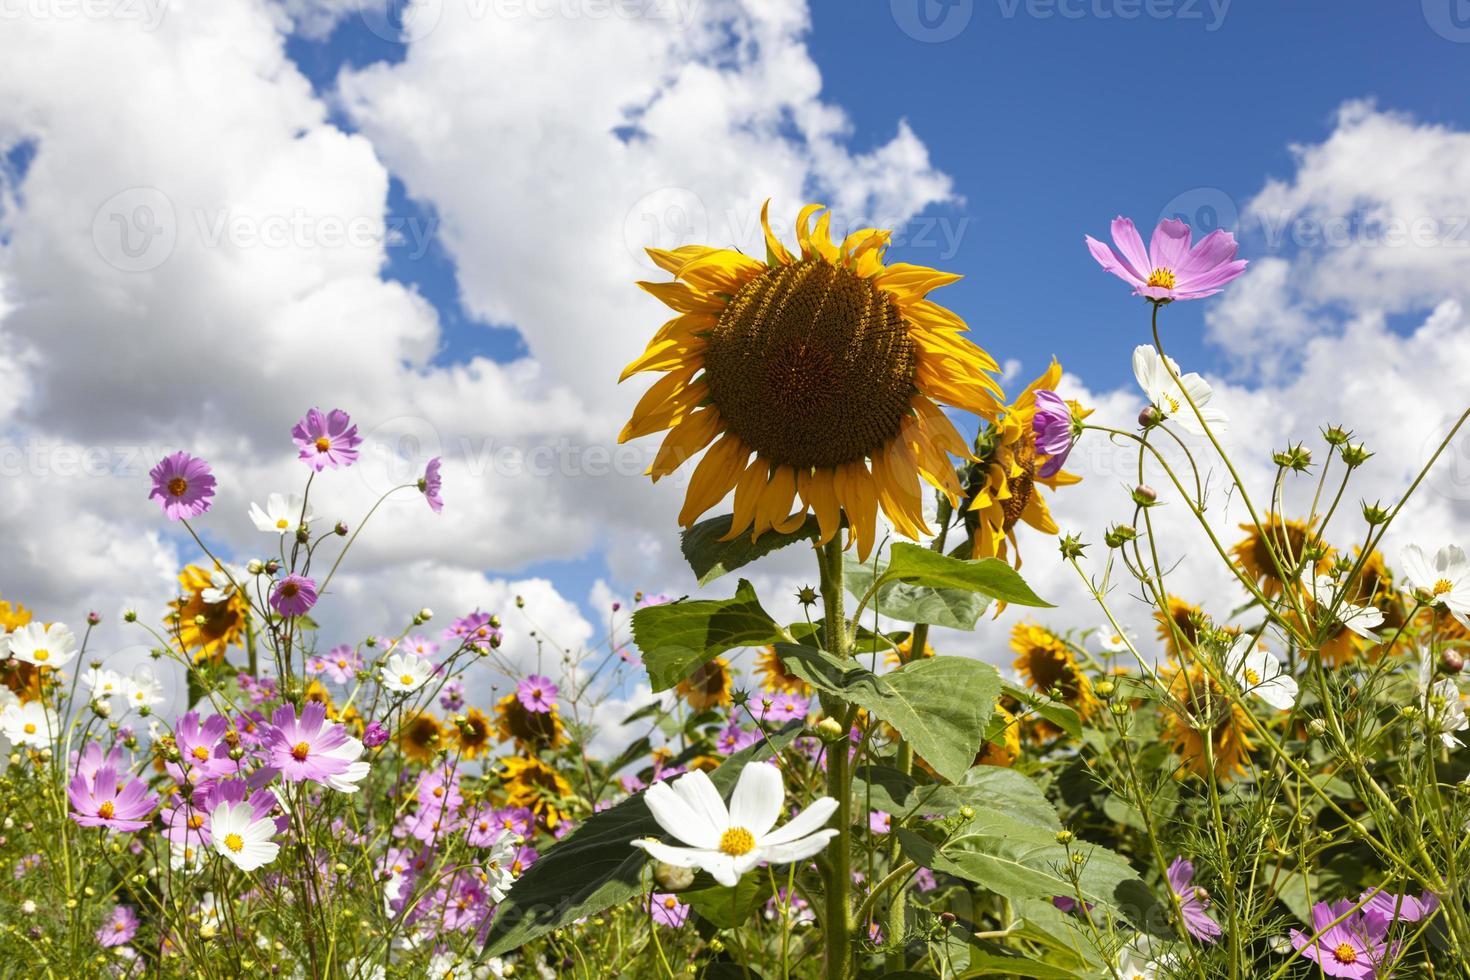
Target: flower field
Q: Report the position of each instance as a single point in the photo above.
(1271, 785)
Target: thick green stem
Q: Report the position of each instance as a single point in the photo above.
(839, 778)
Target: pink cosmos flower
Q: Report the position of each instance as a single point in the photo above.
(778, 709)
(473, 630)
(327, 440)
(537, 693)
(303, 748)
(1404, 908)
(92, 759)
(1193, 901)
(374, 735)
(1052, 425)
(667, 910)
(341, 663)
(119, 929)
(202, 751)
(293, 595)
(732, 738)
(420, 646)
(481, 828)
(183, 485)
(110, 800)
(517, 820)
(1353, 948)
(1170, 268)
(880, 822)
(430, 484)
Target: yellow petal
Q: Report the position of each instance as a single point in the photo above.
(914, 282)
(775, 251)
(714, 477)
(684, 441)
(721, 271)
(774, 505)
(664, 355)
(672, 261)
(819, 492)
(670, 399)
(683, 297)
(859, 499)
(748, 491)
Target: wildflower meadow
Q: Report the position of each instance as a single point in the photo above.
(1269, 786)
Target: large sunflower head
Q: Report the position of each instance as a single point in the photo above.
(532, 731)
(1005, 752)
(818, 378)
(420, 737)
(1200, 708)
(1046, 664)
(1180, 629)
(774, 675)
(1003, 487)
(708, 687)
(472, 733)
(1288, 539)
(532, 784)
(206, 629)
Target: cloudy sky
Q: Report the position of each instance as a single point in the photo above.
(215, 214)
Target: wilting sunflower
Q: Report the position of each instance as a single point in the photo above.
(472, 733)
(207, 629)
(817, 376)
(531, 730)
(905, 653)
(533, 784)
(1045, 663)
(708, 687)
(420, 737)
(1002, 486)
(1183, 623)
(1289, 539)
(1200, 702)
(774, 675)
(1008, 749)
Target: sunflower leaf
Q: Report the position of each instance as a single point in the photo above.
(678, 638)
(991, 577)
(710, 557)
(958, 609)
(940, 705)
(596, 867)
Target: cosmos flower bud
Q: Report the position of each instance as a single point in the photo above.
(303, 534)
(93, 618)
(426, 614)
(1354, 455)
(1149, 417)
(341, 529)
(1065, 837)
(1374, 514)
(671, 878)
(1119, 535)
(272, 566)
(1104, 689)
(829, 728)
(807, 596)
(130, 616)
(1336, 435)
(254, 566)
(1451, 662)
(1145, 495)
(1071, 547)
(520, 602)
(1317, 727)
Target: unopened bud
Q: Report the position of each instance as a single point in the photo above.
(130, 617)
(1354, 455)
(426, 614)
(1317, 727)
(829, 728)
(671, 878)
(1149, 417)
(1336, 435)
(1145, 495)
(1065, 837)
(520, 602)
(254, 566)
(341, 529)
(93, 618)
(1374, 514)
(1119, 535)
(1451, 662)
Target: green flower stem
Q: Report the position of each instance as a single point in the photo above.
(837, 924)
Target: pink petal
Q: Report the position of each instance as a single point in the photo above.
(1130, 245)
(1170, 245)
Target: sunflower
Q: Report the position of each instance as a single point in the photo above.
(317, 692)
(472, 733)
(1045, 663)
(708, 686)
(531, 730)
(774, 675)
(419, 737)
(1201, 702)
(23, 679)
(533, 784)
(817, 377)
(207, 629)
(1289, 539)
(1008, 750)
(13, 617)
(1002, 486)
(1184, 622)
(905, 653)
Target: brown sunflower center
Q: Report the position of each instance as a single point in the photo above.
(811, 365)
(1022, 486)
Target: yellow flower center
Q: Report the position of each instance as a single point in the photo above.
(282, 524)
(1251, 677)
(200, 753)
(1345, 953)
(1163, 278)
(811, 365)
(235, 843)
(42, 655)
(196, 820)
(323, 444)
(178, 486)
(737, 842)
(106, 810)
(30, 728)
(405, 679)
(1442, 586)
(671, 903)
(299, 751)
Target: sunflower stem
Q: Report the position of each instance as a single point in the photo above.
(837, 923)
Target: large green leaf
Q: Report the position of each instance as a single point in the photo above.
(1059, 714)
(710, 557)
(729, 907)
(986, 964)
(940, 704)
(596, 867)
(957, 609)
(992, 787)
(678, 637)
(989, 576)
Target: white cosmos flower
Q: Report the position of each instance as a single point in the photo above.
(1447, 712)
(186, 858)
(142, 689)
(1446, 577)
(280, 515)
(28, 724)
(1139, 960)
(405, 674)
(223, 582)
(44, 646)
(499, 875)
(729, 842)
(351, 750)
(1168, 395)
(1111, 640)
(1259, 673)
(240, 838)
(1360, 619)
(103, 683)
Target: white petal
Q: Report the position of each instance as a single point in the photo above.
(799, 849)
(756, 802)
(1416, 566)
(722, 867)
(803, 823)
(677, 817)
(697, 790)
(679, 857)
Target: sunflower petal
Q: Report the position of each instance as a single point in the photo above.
(684, 441)
(713, 478)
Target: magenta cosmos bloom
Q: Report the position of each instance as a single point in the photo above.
(1170, 268)
(537, 693)
(306, 747)
(183, 486)
(293, 595)
(1354, 947)
(110, 800)
(1193, 901)
(430, 484)
(1052, 426)
(1404, 908)
(119, 929)
(329, 440)
(667, 910)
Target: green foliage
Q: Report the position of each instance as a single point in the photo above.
(679, 637)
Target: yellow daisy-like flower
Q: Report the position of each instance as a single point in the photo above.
(473, 733)
(1002, 486)
(1008, 750)
(13, 617)
(23, 679)
(207, 629)
(532, 731)
(905, 653)
(1179, 631)
(1289, 539)
(817, 377)
(317, 691)
(1045, 663)
(533, 784)
(1202, 703)
(708, 687)
(774, 675)
(420, 737)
